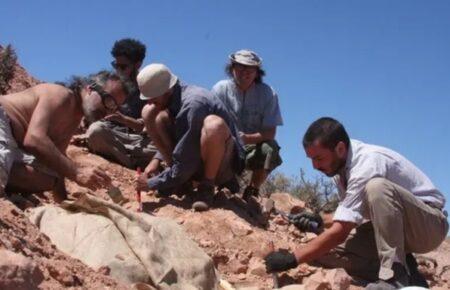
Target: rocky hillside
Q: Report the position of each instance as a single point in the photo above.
(227, 233)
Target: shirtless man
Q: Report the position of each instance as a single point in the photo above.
(36, 126)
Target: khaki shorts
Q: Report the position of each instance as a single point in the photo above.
(264, 155)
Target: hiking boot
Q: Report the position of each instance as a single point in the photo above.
(203, 197)
(400, 280)
(249, 192)
(416, 278)
(232, 185)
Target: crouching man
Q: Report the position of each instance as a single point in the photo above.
(393, 206)
(36, 126)
(193, 133)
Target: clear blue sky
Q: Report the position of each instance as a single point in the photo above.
(381, 67)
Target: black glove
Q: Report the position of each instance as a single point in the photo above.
(307, 221)
(280, 260)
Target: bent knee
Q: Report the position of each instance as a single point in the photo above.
(214, 124)
(95, 130)
(149, 112)
(152, 115)
(375, 187)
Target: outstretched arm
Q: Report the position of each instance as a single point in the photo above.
(283, 260)
(48, 112)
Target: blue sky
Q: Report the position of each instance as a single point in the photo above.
(381, 67)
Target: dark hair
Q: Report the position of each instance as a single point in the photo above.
(76, 83)
(258, 79)
(328, 131)
(132, 49)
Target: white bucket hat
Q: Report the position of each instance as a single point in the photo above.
(155, 80)
(246, 57)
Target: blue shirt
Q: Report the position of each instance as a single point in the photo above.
(255, 110)
(189, 106)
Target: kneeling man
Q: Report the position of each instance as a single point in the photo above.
(193, 132)
(393, 206)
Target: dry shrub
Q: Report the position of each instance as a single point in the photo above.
(319, 193)
(8, 60)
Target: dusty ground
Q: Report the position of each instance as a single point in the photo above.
(227, 233)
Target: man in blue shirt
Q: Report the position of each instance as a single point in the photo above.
(254, 106)
(194, 133)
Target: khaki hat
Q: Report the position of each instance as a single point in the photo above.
(246, 57)
(155, 80)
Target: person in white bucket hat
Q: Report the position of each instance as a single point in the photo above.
(194, 133)
(254, 106)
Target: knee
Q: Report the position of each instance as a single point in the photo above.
(215, 126)
(149, 113)
(95, 131)
(375, 189)
(153, 117)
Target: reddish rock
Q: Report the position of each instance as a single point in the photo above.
(18, 272)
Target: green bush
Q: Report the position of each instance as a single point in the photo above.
(8, 59)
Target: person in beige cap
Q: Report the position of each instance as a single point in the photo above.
(254, 106)
(193, 132)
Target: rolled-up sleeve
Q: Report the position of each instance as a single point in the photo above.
(353, 207)
(186, 154)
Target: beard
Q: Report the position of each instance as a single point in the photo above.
(336, 166)
(91, 112)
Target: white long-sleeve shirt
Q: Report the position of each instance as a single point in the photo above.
(364, 162)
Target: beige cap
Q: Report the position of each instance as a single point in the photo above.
(246, 57)
(155, 80)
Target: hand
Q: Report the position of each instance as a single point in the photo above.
(152, 168)
(280, 260)
(141, 183)
(116, 117)
(92, 178)
(307, 221)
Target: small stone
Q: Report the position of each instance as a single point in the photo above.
(339, 279)
(257, 267)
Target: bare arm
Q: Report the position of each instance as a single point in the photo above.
(51, 109)
(325, 242)
(259, 137)
(136, 124)
(37, 140)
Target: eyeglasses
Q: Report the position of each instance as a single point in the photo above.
(241, 67)
(120, 66)
(108, 101)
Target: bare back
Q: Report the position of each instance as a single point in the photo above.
(44, 109)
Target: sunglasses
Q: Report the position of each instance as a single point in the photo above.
(241, 67)
(119, 66)
(108, 101)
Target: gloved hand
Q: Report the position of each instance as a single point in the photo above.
(280, 260)
(307, 221)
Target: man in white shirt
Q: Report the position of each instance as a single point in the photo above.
(393, 206)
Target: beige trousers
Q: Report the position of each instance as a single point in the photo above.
(399, 223)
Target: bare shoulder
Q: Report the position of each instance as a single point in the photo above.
(52, 90)
(54, 93)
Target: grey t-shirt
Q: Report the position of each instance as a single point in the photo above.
(253, 111)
